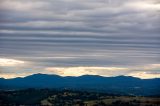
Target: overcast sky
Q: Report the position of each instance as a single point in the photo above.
(77, 37)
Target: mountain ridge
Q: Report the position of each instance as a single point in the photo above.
(78, 76)
(118, 84)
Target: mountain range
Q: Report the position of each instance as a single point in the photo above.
(115, 85)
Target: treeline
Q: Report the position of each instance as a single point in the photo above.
(52, 97)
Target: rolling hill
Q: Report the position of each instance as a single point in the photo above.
(115, 85)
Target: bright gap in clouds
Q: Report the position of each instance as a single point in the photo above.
(10, 62)
(144, 72)
(78, 71)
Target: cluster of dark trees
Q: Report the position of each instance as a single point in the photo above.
(34, 97)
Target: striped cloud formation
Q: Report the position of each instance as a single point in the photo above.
(77, 37)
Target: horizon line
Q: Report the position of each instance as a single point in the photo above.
(79, 76)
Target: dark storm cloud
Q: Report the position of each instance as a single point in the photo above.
(80, 33)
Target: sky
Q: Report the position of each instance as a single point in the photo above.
(78, 37)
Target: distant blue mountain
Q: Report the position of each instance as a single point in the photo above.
(115, 85)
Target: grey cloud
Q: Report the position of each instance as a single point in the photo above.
(80, 33)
